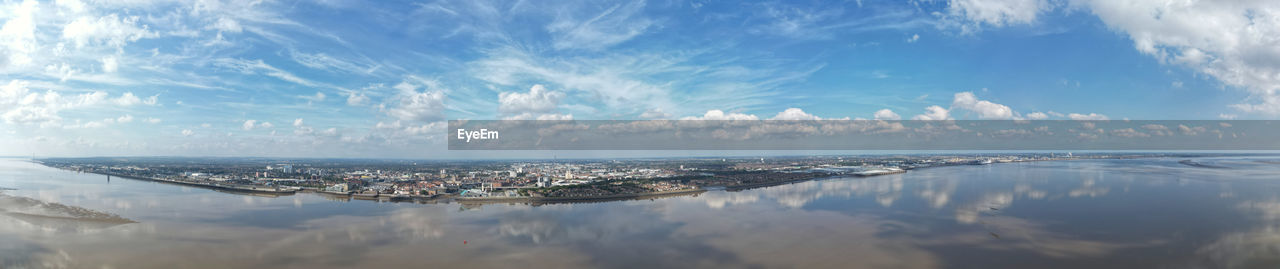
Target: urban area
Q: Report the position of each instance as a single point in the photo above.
(537, 181)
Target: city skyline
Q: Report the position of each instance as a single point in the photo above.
(347, 79)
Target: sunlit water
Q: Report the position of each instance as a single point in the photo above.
(1153, 213)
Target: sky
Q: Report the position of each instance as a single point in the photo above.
(335, 78)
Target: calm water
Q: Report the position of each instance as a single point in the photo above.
(1153, 213)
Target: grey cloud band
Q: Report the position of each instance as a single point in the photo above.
(863, 135)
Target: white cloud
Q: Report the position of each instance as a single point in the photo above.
(125, 119)
(356, 99)
(20, 105)
(1037, 116)
(1090, 116)
(1231, 41)
(188, 132)
(984, 109)
(934, 113)
(153, 120)
(537, 100)
(250, 125)
(970, 15)
(385, 125)
(128, 99)
(297, 122)
(110, 30)
(416, 106)
(259, 67)
(794, 114)
(886, 114)
(109, 64)
(618, 82)
(322, 61)
(18, 35)
(913, 38)
(720, 115)
(798, 21)
(654, 113)
(75, 6)
(641, 81)
(225, 24)
(599, 30)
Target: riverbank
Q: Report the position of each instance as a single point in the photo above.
(207, 185)
(347, 196)
(602, 198)
(743, 187)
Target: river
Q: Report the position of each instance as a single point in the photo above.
(1140, 213)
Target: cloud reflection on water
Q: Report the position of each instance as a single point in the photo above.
(973, 217)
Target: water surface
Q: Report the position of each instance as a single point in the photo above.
(1150, 213)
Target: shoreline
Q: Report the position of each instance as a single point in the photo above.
(449, 198)
(212, 186)
(552, 200)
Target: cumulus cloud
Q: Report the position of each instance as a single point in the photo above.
(356, 99)
(794, 114)
(250, 125)
(188, 132)
(18, 35)
(417, 106)
(128, 99)
(537, 104)
(717, 114)
(1090, 116)
(297, 122)
(985, 109)
(886, 114)
(110, 30)
(537, 100)
(21, 105)
(1037, 116)
(934, 113)
(1232, 41)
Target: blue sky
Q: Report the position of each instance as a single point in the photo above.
(378, 79)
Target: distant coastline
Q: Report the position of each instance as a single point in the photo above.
(600, 191)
